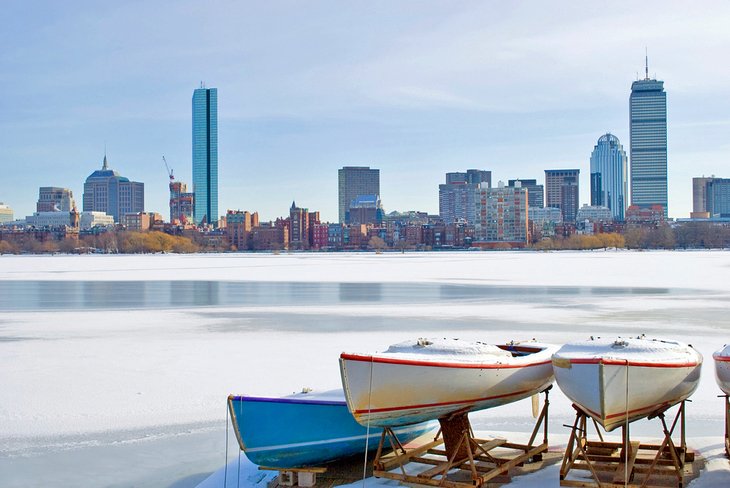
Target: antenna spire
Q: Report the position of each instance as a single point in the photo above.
(646, 59)
(105, 166)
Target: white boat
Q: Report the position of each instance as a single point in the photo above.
(428, 379)
(722, 368)
(621, 380)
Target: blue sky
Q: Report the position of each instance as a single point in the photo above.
(415, 88)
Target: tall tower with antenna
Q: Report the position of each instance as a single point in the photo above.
(648, 132)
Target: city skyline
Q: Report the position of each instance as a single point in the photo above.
(454, 86)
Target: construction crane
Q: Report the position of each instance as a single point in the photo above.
(169, 171)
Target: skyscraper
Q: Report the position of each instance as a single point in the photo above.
(562, 191)
(608, 175)
(648, 124)
(106, 191)
(355, 181)
(205, 155)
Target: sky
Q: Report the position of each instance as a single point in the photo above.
(414, 88)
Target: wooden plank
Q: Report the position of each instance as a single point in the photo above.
(444, 466)
(504, 468)
(295, 470)
(389, 461)
(492, 444)
(625, 468)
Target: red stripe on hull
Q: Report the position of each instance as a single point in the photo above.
(442, 404)
(435, 364)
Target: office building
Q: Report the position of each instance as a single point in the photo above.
(718, 197)
(365, 209)
(501, 215)
(609, 172)
(699, 197)
(457, 197)
(535, 192)
(89, 220)
(6, 213)
(205, 156)
(594, 213)
(141, 221)
(106, 191)
(55, 199)
(562, 191)
(648, 126)
(354, 181)
(544, 220)
(471, 177)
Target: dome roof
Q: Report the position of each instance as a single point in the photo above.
(105, 173)
(608, 138)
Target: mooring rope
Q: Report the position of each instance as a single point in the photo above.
(627, 444)
(225, 465)
(238, 474)
(367, 430)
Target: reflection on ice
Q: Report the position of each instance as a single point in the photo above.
(136, 295)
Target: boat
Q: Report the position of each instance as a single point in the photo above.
(620, 380)
(427, 379)
(722, 368)
(303, 429)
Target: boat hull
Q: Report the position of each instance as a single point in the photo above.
(300, 432)
(722, 371)
(615, 391)
(387, 392)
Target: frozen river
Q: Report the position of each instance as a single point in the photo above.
(115, 369)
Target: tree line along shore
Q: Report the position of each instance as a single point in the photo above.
(689, 235)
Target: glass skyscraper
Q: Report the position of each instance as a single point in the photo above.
(205, 155)
(648, 123)
(609, 168)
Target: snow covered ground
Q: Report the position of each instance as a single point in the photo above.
(123, 395)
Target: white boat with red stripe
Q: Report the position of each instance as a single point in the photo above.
(722, 368)
(620, 380)
(429, 379)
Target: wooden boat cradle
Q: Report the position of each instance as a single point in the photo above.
(657, 465)
(462, 457)
(727, 424)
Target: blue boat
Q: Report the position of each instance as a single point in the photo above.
(304, 429)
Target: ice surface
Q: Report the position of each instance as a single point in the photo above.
(136, 397)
